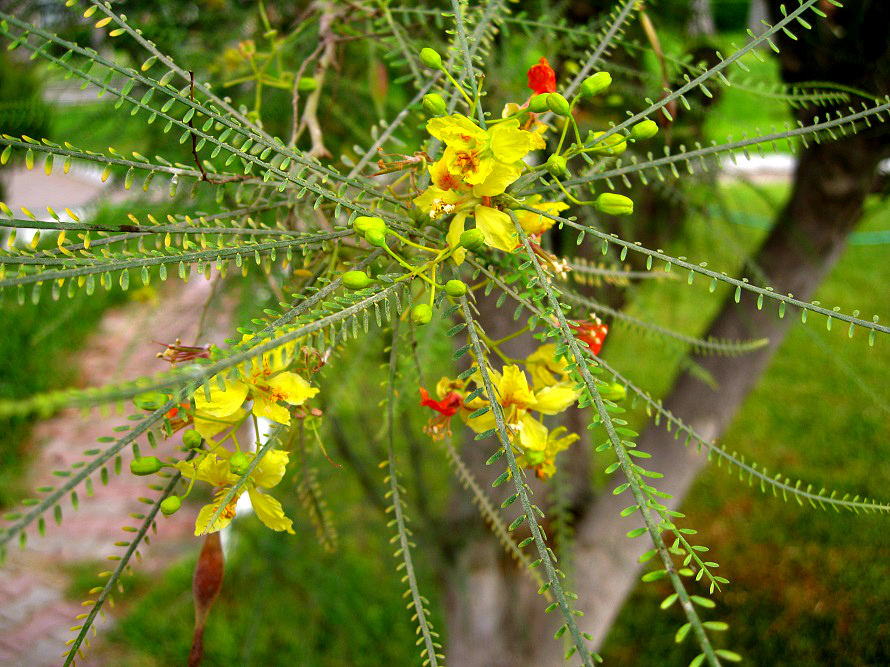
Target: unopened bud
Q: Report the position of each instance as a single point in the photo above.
(434, 104)
(558, 104)
(192, 439)
(613, 204)
(307, 84)
(431, 58)
(614, 391)
(364, 223)
(472, 239)
(150, 400)
(614, 144)
(538, 103)
(595, 84)
(171, 505)
(145, 465)
(455, 288)
(238, 463)
(421, 314)
(376, 238)
(644, 130)
(557, 166)
(355, 280)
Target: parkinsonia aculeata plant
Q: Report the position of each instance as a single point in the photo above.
(467, 210)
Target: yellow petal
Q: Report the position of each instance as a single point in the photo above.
(455, 229)
(269, 511)
(498, 179)
(266, 406)
(497, 228)
(209, 426)
(221, 403)
(270, 469)
(482, 170)
(210, 469)
(509, 143)
(533, 434)
(555, 399)
(202, 523)
(514, 389)
(441, 175)
(292, 388)
(456, 130)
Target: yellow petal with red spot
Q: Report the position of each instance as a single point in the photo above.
(292, 388)
(514, 389)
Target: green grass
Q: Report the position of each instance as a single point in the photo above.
(807, 587)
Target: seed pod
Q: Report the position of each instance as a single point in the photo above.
(558, 104)
(455, 288)
(206, 585)
(430, 58)
(613, 204)
(595, 84)
(434, 104)
(421, 314)
(145, 465)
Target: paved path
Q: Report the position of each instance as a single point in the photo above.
(35, 614)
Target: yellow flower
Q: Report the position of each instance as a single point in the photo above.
(543, 457)
(489, 160)
(266, 386)
(535, 223)
(496, 226)
(215, 471)
(545, 369)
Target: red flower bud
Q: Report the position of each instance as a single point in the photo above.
(542, 78)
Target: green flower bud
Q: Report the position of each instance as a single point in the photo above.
(558, 104)
(594, 85)
(171, 505)
(613, 204)
(421, 314)
(145, 465)
(557, 166)
(150, 400)
(364, 223)
(307, 84)
(455, 288)
(434, 104)
(614, 392)
(431, 58)
(614, 144)
(192, 439)
(644, 130)
(538, 103)
(472, 239)
(355, 280)
(238, 463)
(376, 238)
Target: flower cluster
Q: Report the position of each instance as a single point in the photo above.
(525, 404)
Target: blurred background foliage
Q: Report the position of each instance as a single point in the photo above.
(804, 590)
